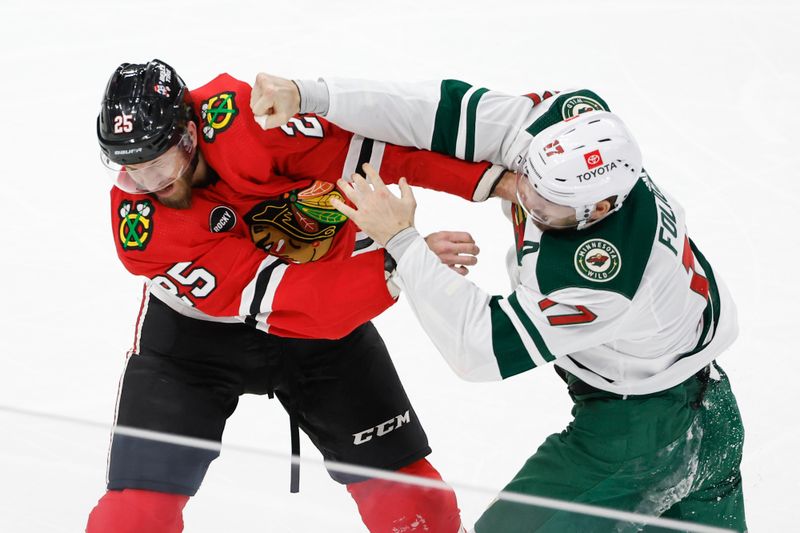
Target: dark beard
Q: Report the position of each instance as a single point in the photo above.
(181, 196)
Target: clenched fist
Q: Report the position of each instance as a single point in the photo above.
(274, 100)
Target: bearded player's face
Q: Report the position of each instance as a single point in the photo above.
(182, 162)
(178, 194)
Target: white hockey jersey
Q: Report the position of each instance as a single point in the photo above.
(628, 305)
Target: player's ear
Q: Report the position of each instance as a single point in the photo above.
(601, 209)
(191, 128)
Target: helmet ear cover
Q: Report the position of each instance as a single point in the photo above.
(143, 113)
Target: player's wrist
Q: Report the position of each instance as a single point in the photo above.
(506, 186)
(400, 242)
(314, 96)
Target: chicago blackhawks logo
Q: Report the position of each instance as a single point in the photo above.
(575, 105)
(597, 260)
(136, 224)
(218, 113)
(299, 226)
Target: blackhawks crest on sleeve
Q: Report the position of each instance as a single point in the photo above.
(135, 224)
(217, 114)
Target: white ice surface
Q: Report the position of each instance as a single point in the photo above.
(710, 88)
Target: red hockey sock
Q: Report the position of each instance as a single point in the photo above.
(135, 511)
(394, 507)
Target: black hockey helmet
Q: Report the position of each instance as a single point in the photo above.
(143, 112)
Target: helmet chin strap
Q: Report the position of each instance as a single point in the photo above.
(582, 215)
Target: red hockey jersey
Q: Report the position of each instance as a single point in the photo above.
(263, 244)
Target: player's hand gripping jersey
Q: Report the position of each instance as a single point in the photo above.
(628, 305)
(261, 243)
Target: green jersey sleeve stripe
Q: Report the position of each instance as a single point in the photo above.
(530, 328)
(509, 350)
(448, 116)
(472, 110)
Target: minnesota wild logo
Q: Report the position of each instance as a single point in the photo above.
(218, 113)
(299, 226)
(136, 224)
(598, 260)
(575, 105)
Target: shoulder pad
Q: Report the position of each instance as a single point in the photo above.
(566, 105)
(610, 256)
(218, 103)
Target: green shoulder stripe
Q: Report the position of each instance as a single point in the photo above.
(472, 111)
(448, 115)
(567, 105)
(611, 255)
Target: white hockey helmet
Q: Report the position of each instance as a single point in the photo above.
(574, 164)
